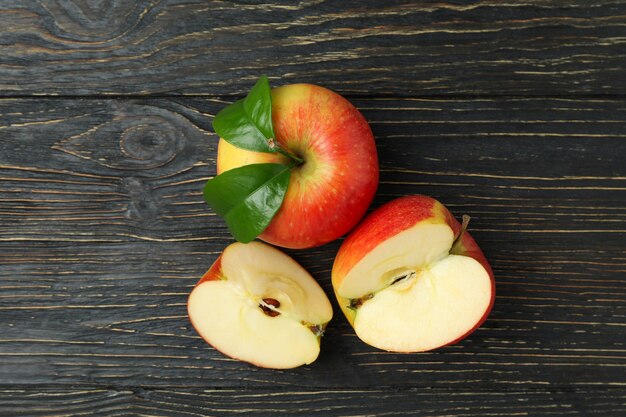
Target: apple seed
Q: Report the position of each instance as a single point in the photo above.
(270, 302)
(403, 277)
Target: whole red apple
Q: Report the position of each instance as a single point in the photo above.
(330, 192)
(410, 279)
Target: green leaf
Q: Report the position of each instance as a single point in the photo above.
(248, 197)
(258, 105)
(247, 123)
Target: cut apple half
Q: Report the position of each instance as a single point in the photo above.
(416, 290)
(258, 305)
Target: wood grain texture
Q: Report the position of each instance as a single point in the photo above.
(103, 232)
(354, 402)
(512, 112)
(391, 48)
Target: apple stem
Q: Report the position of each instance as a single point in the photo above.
(317, 330)
(457, 241)
(358, 302)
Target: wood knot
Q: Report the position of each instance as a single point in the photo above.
(94, 21)
(145, 143)
(135, 138)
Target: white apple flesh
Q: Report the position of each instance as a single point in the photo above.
(258, 305)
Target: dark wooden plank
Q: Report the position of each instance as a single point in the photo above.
(191, 403)
(385, 48)
(103, 232)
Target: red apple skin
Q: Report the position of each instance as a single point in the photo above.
(389, 220)
(214, 272)
(331, 191)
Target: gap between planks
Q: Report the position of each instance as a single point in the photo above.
(375, 96)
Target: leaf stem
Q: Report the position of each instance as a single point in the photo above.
(280, 150)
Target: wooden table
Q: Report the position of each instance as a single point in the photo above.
(513, 113)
